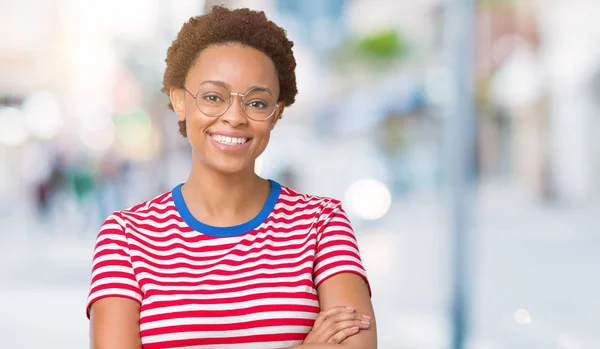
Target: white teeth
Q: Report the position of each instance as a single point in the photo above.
(229, 140)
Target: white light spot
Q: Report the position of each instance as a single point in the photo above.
(12, 127)
(369, 199)
(522, 317)
(42, 115)
(519, 82)
(98, 139)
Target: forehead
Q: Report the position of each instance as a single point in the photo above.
(239, 67)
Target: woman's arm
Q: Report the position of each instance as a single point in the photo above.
(114, 300)
(339, 275)
(114, 324)
(347, 289)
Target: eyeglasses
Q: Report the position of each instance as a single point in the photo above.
(213, 99)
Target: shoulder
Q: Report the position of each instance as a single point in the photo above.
(158, 207)
(292, 196)
(325, 205)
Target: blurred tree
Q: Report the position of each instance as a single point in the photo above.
(387, 44)
(377, 48)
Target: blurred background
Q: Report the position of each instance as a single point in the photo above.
(85, 130)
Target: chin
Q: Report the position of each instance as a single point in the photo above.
(229, 169)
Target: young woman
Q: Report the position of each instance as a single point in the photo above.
(228, 259)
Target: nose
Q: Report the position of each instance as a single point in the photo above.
(235, 115)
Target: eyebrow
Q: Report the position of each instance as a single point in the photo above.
(226, 85)
(216, 82)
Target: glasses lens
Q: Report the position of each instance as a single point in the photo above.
(212, 99)
(259, 104)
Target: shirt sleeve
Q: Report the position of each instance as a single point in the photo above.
(112, 271)
(337, 246)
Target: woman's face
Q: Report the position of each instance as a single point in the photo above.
(231, 142)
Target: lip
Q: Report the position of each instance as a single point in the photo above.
(230, 147)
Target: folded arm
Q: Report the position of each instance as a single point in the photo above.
(347, 289)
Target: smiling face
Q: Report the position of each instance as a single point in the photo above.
(231, 142)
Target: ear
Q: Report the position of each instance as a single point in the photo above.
(278, 115)
(177, 96)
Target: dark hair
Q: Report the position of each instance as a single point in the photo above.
(221, 26)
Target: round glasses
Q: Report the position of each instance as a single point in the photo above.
(213, 99)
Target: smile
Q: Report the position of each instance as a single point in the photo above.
(229, 140)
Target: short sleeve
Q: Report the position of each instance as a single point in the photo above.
(112, 271)
(337, 247)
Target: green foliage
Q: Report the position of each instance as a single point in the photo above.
(376, 49)
(387, 44)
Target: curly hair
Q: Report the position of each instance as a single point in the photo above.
(221, 26)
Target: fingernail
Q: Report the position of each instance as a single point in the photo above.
(354, 328)
(366, 317)
(367, 323)
(350, 308)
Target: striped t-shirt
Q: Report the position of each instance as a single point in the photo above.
(248, 286)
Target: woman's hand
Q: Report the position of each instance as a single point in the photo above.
(336, 324)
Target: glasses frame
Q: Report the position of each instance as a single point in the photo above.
(230, 102)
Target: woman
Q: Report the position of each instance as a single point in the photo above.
(228, 259)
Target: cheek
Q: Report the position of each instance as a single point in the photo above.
(264, 140)
(190, 129)
(195, 130)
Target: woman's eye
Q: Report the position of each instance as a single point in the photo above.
(213, 98)
(257, 104)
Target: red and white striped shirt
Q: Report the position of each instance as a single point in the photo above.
(247, 286)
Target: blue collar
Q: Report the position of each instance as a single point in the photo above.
(240, 229)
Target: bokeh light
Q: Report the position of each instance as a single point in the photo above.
(369, 199)
(137, 139)
(133, 129)
(522, 317)
(13, 130)
(142, 151)
(42, 115)
(97, 138)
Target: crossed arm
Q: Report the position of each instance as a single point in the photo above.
(114, 321)
(347, 289)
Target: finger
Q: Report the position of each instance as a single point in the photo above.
(330, 327)
(344, 317)
(336, 310)
(325, 314)
(340, 336)
(344, 325)
(364, 324)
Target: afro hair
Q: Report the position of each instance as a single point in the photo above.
(221, 26)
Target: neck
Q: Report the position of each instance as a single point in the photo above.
(224, 199)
